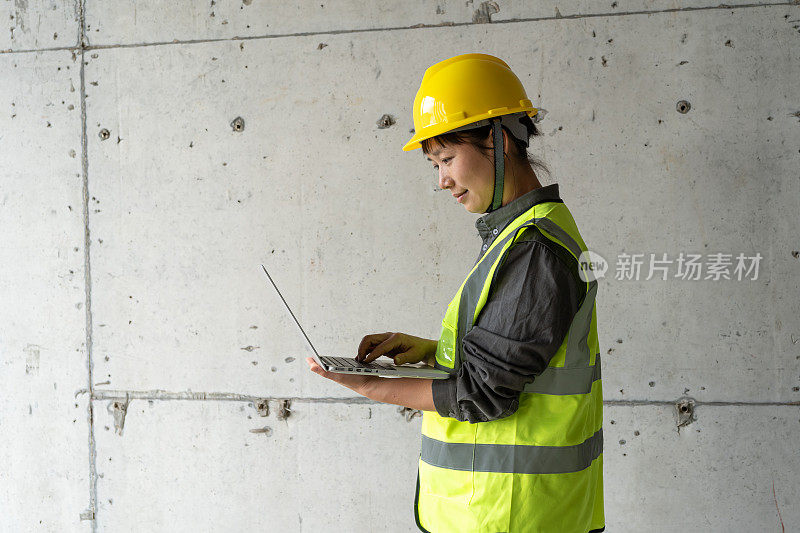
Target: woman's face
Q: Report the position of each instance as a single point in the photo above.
(466, 173)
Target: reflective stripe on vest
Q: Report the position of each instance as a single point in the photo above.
(565, 380)
(511, 458)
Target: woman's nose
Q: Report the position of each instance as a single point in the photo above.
(444, 180)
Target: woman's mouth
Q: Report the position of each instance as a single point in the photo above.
(460, 197)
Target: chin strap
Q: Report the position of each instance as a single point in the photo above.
(499, 170)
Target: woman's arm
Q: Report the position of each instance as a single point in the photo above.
(532, 303)
(409, 392)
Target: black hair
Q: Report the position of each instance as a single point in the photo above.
(476, 137)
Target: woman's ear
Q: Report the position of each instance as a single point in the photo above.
(506, 140)
(488, 140)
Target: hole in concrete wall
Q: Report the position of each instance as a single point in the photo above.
(238, 124)
(262, 407)
(683, 107)
(408, 413)
(385, 121)
(284, 409)
(118, 409)
(684, 412)
(483, 15)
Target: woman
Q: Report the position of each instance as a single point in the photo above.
(512, 440)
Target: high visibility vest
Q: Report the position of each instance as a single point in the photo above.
(540, 469)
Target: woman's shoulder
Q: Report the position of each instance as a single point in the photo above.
(534, 249)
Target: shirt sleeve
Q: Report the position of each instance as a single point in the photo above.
(520, 328)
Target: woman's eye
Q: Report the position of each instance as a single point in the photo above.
(444, 160)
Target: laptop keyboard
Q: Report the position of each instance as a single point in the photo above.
(351, 362)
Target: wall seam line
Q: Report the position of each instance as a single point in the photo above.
(412, 27)
(162, 395)
(87, 272)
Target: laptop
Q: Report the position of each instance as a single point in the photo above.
(349, 365)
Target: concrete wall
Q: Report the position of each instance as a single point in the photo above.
(151, 379)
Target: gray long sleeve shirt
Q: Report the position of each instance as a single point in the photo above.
(533, 299)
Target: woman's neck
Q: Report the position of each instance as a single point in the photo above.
(520, 180)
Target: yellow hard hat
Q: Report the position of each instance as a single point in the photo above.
(463, 90)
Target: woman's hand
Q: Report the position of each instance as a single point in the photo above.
(361, 384)
(408, 392)
(401, 347)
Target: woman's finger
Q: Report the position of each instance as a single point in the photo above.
(333, 376)
(369, 342)
(316, 368)
(411, 356)
(391, 346)
(365, 345)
